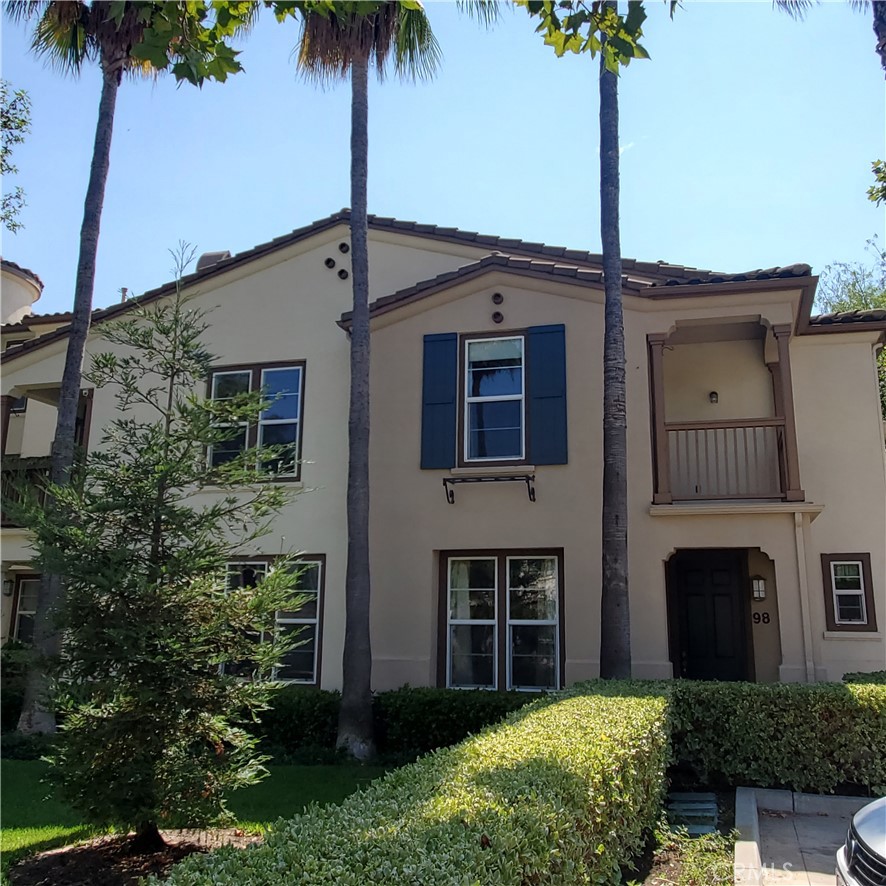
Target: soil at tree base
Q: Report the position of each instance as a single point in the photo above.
(110, 861)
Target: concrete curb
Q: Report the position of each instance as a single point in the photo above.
(747, 864)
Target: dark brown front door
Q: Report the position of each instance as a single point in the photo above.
(708, 614)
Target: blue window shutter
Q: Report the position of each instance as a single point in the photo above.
(439, 401)
(546, 377)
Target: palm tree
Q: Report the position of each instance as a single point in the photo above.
(69, 34)
(333, 45)
(615, 622)
(797, 9)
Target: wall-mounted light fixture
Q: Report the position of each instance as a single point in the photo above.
(758, 587)
(8, 587)
(714, 397)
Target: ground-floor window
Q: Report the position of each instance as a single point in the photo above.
(24, 607)
(501, 619)
(301, 664)
(848, 592)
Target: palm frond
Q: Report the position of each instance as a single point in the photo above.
(24, 10)
(62, 36)
(796, 9)
(487, 12)
(418, 53)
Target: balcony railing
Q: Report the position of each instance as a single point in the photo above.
(21, 477)
(744, 458)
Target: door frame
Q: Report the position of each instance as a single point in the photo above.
(675, 640)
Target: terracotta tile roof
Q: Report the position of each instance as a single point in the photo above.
(25, 272)
(842, 318)
(36, 319)
(535, 267)
(555, 260)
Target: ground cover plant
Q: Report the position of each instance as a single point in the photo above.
(562, 791)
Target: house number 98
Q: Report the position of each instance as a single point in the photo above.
(761, 617)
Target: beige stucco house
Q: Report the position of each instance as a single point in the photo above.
(756, 462)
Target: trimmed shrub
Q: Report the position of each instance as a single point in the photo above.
(417, 720)
(13, 664)
(16, 746)
(878, 677)
(805, 737)
(300, 723)
(561, 792)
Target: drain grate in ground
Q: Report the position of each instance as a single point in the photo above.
(695, 812)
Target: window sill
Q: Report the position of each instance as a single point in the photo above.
(852, 635)
(493, 471)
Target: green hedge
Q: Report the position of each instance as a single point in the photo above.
(300, 725)
(806, 737)
(561, 792)
(878, 677)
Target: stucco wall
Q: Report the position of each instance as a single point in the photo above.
(17, 295)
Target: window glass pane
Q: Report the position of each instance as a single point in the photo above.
(20, 404)
(465, 604)
(533, 656)
(298, 663)
(533, 588)
(474, 574)
(495, 368)
(472, 653)
(495, 429)
(27, 594)
(245, 575)
(282, 387)
(229, 449)
(308, 609)
(308, 576)
(850, 607)
(847, 576)
(228, 384)
(280, 435)
(25, 628)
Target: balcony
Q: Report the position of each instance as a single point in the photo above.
(722, 413)
(727, 459)
(20, 477)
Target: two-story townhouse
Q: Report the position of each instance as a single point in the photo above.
(756, 464)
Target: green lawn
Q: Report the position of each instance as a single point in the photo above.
(31, 821)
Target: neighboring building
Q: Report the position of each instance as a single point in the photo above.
(19, 289)
(756, 464)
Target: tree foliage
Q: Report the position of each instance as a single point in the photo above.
(15, 124)
(877, 191)
(152, 724)
(856, 286)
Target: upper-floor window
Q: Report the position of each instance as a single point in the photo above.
(19, 406)
(279, 425)
(492, 399)
(849, 597)
(24, 607)
(302, 663)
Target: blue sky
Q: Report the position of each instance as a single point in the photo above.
(746, 142)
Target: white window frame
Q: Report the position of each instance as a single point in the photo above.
(451, 622)
(19, 612)
(244, 425)
(265, 567)
(859, 593)
(494, 399)
(253, 433)
(263, 423)
(504, 559)
(533, 622)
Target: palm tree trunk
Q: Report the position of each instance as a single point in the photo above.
(615, 621)
(879, 9)
(355, 719)
(35, 717)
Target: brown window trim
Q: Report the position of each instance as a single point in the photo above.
(463, 460)
(501, 626)
(829, 609)
(255, 385)
(321, 602)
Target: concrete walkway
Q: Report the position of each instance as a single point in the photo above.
(798, 837)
